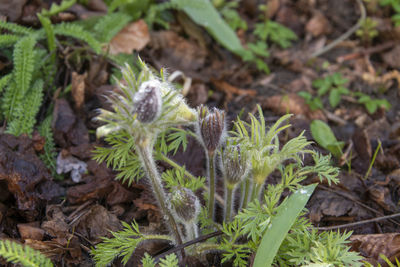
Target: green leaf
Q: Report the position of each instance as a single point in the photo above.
(334, 97)
(371, 106)
(337, 79)
(55, 9)
(109, 25)
(280, 224)
(204, 13)
(306, 95)
(316, 104)
(48, 27)
(260, 48)
(383, 103)
(323, 86)
(323, 135)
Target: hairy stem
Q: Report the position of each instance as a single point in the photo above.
(211, 176)
(247, 185)
(144, 151)
(191, 231)
(169, 161)
(255, 194)
(229, 202)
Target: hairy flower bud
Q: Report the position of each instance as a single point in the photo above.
(211, 127)
(147, 101)
(234, 164)
(185, 204)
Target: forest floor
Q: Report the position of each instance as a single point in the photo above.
(67, 217)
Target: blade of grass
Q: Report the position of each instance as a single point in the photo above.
(287, 214)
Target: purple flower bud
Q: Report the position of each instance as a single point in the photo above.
(147, 101)
(211, 127)
(185, 204)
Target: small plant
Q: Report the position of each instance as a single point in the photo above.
(395, 5)
(372, 104)
(367, 32)
(141, 127)
(24, 255)
(333, 84)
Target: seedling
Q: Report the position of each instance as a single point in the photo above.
(333, 84)
(145, 116)
(372, 104)
(367, 32)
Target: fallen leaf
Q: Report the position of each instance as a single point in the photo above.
(30, 231)
(381, 195)
(318, 25)
(177, 52)
(96, 223)
(372, 245)
(24, 174)
(12, 9)
(78, 88)
(134, 36)
(231, 90)
(292, 103)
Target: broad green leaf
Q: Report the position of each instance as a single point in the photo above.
(323, 135)
(204, 13)
(280, 224)
(334, 97)
(371, 106)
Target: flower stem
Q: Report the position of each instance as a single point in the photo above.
(211, 175)
(144, 151)
(246, 193)
(255, 194)
(191, 231)
(161, 156)
(229, 202)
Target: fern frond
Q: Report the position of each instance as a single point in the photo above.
(4, 81)
(77, 32)
(15, 28)
(22, 74)
(25, 117)
(25, 255)
(8, 40)
(122, 244)
(109, 25)
(49, 156)
(55, 9)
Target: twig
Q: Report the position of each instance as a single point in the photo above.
(191, 242)
(359, 223)
(346, 34)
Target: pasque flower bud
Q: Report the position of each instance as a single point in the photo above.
(211, 127)
(147, 101)
(234, 164)
(185, 204)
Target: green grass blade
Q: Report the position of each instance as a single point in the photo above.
(287, 214)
